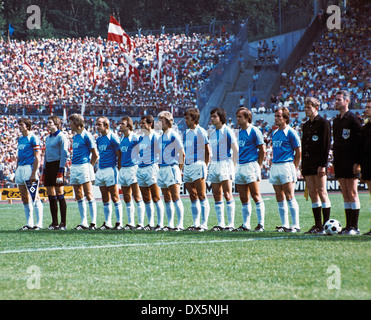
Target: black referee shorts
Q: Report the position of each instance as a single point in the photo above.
(51, 171)
(309, 170)
(344, 170)
(366, 172)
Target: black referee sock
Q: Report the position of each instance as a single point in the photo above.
(354, 218)
(317, 217)
(62, 208)
(53, 203)
(326, 214)
(348, 218)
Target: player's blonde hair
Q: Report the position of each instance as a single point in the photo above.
(167, 116)
(77, 119)
(312, 101)
(104, 120)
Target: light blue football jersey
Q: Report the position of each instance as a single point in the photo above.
(284, 142)
(81, 146)
(248, 142)
(107, 146)
(26, 147)
(129, 150)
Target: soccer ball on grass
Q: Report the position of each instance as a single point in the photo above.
(332, 227)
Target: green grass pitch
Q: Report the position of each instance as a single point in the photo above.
(142, 265)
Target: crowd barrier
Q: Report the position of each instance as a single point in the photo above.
(265, 188)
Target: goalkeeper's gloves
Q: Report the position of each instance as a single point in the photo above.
(59, 180)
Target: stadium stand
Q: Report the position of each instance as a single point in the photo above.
(63, 71)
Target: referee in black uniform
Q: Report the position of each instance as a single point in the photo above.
(366, 150)
(347, 159)
(316, 140)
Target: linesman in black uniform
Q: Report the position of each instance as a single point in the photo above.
(366, 149)
(347, 159)
(316, 141)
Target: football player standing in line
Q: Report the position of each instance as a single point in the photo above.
(83, 147)
(251, 155)
(147, 172)
(106, 178)
(128, 174)
(347, 159)
(169, 176)
(285, 162)
(316, 141)
(366, 150)
(56, 153)
(197, 153)
(28, 163)
(221, 171)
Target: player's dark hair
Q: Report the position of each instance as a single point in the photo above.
(26, 121)
(57, 121)
(149, 119)
(194, 114)
(129, 121)
(221, 114)
(346, 94)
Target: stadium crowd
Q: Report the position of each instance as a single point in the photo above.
(63, 71)
(340, 59)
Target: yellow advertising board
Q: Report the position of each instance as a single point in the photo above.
(13, 193)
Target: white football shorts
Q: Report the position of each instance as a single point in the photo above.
(221, 171)
(106, 177)
(23, 173)
(248, 172)
(168, 175)
(81, 173)
(128, 176)
(194, 171)
(282, 173)
(147, 175)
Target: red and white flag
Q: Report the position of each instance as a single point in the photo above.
(117, 34)
(27, 67)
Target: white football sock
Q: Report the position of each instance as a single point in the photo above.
(219, 210)
(39, 212)
(294, 210)
(28, 211)
(246, 214)
(118, 212)
(180, 213)
(140, 211)
(230, 213)
(283, 212)
(150, 210)
(196, 208)
(107, 210)
(260, 212)
(160, 213)
(130, 212)
(205, 210)
(82, 209)
(170, 213)
(93, 211)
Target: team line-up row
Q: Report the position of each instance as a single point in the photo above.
(149, 164)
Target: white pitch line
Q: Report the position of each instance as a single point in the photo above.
(135, 245)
